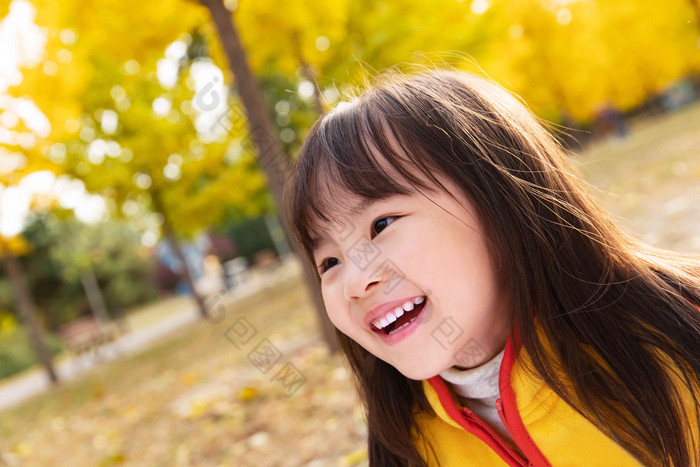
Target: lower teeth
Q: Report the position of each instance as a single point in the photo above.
(405, 324)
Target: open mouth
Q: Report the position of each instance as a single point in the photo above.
(403, 320)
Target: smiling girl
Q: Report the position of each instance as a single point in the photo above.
(490, 311)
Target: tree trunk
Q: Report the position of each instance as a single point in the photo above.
(271, 155)
(277, 234)
(27, 312)
(177, 249)
(309, 75)
(94, 295)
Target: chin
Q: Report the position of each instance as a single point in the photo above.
(418, 375)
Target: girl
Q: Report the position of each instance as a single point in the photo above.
(490, 311)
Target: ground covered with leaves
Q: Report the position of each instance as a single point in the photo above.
(196, 399)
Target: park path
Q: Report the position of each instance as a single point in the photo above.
(35, 381)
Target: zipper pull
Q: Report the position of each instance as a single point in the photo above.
(467, 413)
(499, 406)
(502, 415)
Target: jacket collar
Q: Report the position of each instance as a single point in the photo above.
(445, 403)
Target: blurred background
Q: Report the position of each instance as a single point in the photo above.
(152, 311)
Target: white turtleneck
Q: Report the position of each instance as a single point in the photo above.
(477, 389)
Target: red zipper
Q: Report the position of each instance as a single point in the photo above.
(517, 457)
(502, 416)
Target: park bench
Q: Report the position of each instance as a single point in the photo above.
(84, 334)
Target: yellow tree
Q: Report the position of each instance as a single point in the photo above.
(133, 141)
(557, 54)
(145, 153)
(573, 56)
(47, 68)
(26, 121)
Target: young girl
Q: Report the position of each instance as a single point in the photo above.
(490, 311)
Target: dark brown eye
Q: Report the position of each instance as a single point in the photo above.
(381, 221)
(324, 265)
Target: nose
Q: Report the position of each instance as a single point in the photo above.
(359, 281)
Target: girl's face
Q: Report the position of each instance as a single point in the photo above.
(406, 247)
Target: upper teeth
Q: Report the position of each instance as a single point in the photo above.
(396, 313)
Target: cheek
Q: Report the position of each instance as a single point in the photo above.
(335, 308)
(458, 265)
(407, 256)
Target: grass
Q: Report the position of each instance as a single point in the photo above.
(193, 398)
(650, 182)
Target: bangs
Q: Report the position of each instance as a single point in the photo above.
(352, 157)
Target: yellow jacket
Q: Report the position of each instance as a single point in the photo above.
(546, 429)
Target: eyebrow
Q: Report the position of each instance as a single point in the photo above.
(317, 242)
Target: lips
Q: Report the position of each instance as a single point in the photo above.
(384, 308)
(402, 321)
(400, 334)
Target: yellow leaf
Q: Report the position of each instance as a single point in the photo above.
(247, 393)
(354, 457)
(198, 408)
(22, 448)
(189, 378)
(113, 459)
(8, 324)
